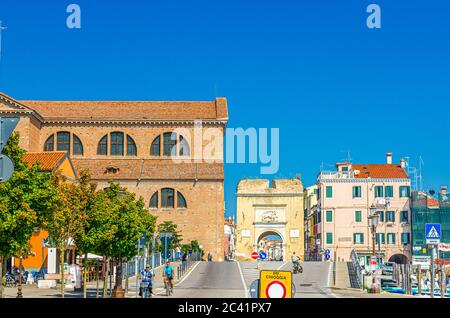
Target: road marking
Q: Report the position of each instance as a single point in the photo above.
(187, 275)
(243, 281)
(330, 274)
(281, 266)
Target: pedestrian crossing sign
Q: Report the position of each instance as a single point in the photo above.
(433, 233)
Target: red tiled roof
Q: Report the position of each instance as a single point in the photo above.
(380, 171)
(49, 160)
(130, 110)
(148, 169)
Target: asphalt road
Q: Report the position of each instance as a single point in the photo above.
(233, 279)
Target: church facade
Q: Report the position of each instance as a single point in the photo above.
(153, 148)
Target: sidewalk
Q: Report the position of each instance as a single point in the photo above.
(359, 293)
(31, 291)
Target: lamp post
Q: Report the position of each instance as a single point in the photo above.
(373, 222)
(19, 290)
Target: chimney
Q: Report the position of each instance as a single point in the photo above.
(389, 158)
(403, 163)
(444, 190)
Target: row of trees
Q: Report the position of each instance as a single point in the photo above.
(105, 222)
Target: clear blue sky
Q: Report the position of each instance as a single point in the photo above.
(311, 68)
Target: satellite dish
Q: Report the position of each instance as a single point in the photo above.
(356, 172)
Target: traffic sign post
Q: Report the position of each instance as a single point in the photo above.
(275, 284)
(165, 238)
(433, 233)
(433, 237)
(262, 255)
(7, 125)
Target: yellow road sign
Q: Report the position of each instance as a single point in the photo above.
(275, 284)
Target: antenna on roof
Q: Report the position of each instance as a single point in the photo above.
(349, 158)
(1, 31)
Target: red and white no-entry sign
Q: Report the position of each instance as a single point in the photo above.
(255, 255)
(275, 289)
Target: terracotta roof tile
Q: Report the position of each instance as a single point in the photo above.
(49, 160)
(152, 169)
(380, 171)
(129, 110)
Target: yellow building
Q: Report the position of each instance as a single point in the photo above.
(270, 218)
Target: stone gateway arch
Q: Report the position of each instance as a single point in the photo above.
(270, 218)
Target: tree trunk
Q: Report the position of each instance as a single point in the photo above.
(63, 281)
(105, 277)
(118, 290)
(1, 276)
(84, 276)
(96, 270)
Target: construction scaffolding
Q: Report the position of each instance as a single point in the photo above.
(429, 209)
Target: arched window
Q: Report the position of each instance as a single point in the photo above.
(77, 146)
(184, 147)
(155, 148)
(154, 200)
(167, 198)
(117, 144)
(50, 143)
(131, 147)
(170, 143)
(63, 141)
(102, 148)
(181, 201)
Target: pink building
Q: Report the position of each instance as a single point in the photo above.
(349, 195)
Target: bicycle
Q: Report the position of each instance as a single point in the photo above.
(146, 291)
(168, 286)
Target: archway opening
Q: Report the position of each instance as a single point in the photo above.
(399, 259)
(272, 244)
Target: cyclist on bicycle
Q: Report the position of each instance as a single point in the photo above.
(295, 259)
(146, 281)
(168, 274)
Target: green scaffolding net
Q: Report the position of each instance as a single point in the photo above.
(429, 209)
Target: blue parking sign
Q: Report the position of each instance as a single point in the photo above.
(433, 233)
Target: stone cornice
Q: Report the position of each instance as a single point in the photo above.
(361, 180)
(149, 122)
(269, 194)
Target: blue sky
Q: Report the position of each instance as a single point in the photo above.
(311, 68)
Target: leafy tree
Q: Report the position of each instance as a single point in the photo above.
(84, 241)
(67, 218)
(170, 227)
(127, 221)
(25, 200)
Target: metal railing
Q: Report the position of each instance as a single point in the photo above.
(187, 264)
(357, 269)
(154, 260)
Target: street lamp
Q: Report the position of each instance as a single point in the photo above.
(373, 222)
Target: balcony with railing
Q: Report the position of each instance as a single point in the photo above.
(336, 174)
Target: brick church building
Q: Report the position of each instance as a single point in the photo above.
(133, 143)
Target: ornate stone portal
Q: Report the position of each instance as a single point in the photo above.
(270, 219)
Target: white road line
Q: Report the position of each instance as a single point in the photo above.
(243, 281)
(282, 265)
(187, 275)
(330, 274)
